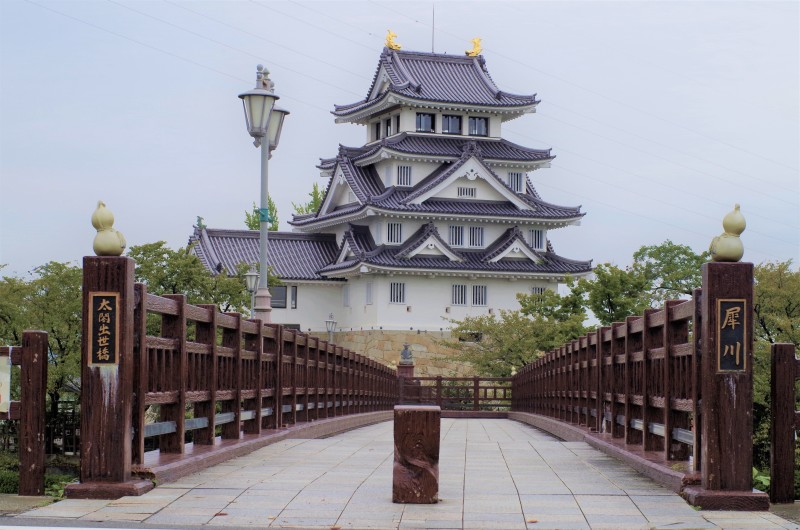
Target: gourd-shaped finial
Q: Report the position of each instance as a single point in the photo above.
(727, 246)
(390, 42)
(476, 48)
(107, 242)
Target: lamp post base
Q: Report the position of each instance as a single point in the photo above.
(262, 309)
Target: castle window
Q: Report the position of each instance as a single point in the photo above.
(459, 295)
(278, 293)
(516, 181)
(368, 300)
(464, 191)
(476, 236)
(478, 295)
(456, 234)
(478, 126)
(451, 124)
(538, 290)
(397, 123)
(377, 131)
(388, 124)
(394, 233)
(293, 298)
(425, 122)
(404, 175)
(536, 239)
(397, 293)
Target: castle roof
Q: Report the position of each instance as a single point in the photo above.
(292, 256)
(435, 78)
(398, 257)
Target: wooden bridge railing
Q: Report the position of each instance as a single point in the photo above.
(30, 409)
(785, 421)
(637, 380)
(458, 393)
(674, 382)
(204, 372)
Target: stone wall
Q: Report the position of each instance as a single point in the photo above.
(430, 356)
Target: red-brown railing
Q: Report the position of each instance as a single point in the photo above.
(458, 393)
(638, 380)
(236, 376)
(784, 422)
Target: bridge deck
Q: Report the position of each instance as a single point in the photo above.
(493, 474)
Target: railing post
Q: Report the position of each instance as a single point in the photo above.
(107, 380)
(206, 333)
(174, 327)
(783, 373)
(32, 412)
(476, 393)
(727, 390)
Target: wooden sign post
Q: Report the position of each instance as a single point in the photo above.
(727, 390)
(107, 381)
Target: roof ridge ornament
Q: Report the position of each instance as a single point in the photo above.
(476, 48)
(390, 42)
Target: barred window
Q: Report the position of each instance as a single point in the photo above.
(467, 192)
(404, 175)
(294, 297)
(536, 239)
(456, 238)
(397, 293)
(377, 131)
(476, 236)
(388, 127)
(538, 290)
(394, 233)
(459, 295)
(478, 295)
(516, 181)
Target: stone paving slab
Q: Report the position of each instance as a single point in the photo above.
(494, 474)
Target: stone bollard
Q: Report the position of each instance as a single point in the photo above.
(416, 454)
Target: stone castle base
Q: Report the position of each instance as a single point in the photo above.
(431, 358)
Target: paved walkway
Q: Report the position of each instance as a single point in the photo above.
(493, 474)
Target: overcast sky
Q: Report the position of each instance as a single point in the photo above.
(662, 114)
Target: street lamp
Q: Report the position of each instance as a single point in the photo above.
(330, 324)
(263, 119)
(251, 279)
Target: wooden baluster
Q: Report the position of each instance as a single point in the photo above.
(206, 333)
(174, 327)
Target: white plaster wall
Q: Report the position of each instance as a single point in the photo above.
(484, 191)
(314, 303)
(387, 169)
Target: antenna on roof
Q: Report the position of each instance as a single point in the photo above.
(433, 23)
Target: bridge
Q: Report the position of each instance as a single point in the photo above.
(494, 473)
(215, 409)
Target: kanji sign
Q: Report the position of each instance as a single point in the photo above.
(732, 345)
(103, 328)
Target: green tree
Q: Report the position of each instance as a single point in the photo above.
(497, 345)
(312, 206)
(672, 270)
(614, 293)
(252, 219)
(50, 301)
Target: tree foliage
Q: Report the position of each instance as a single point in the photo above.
(252, 219)
(50, 300)
(672, 271)
(498, 345)
(312, 206)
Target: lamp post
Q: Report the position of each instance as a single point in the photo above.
(330, 324)
(251, 279)
(263, 119)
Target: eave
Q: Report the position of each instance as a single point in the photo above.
(392, 99)
(357, 270)
(387, 153)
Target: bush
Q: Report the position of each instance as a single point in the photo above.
(54, 484)
(9, 461)
(9, 481)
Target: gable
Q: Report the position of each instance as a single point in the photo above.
(471, 173)
(380, 85)
(518, 249)
(432, 246)
(339, 193)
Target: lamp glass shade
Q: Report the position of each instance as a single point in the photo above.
(251, 278)
(330, 324)
(258, 105)
(275, 126)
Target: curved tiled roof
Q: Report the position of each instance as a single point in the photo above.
(420, 236)
(292, 256)
(439, 78)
